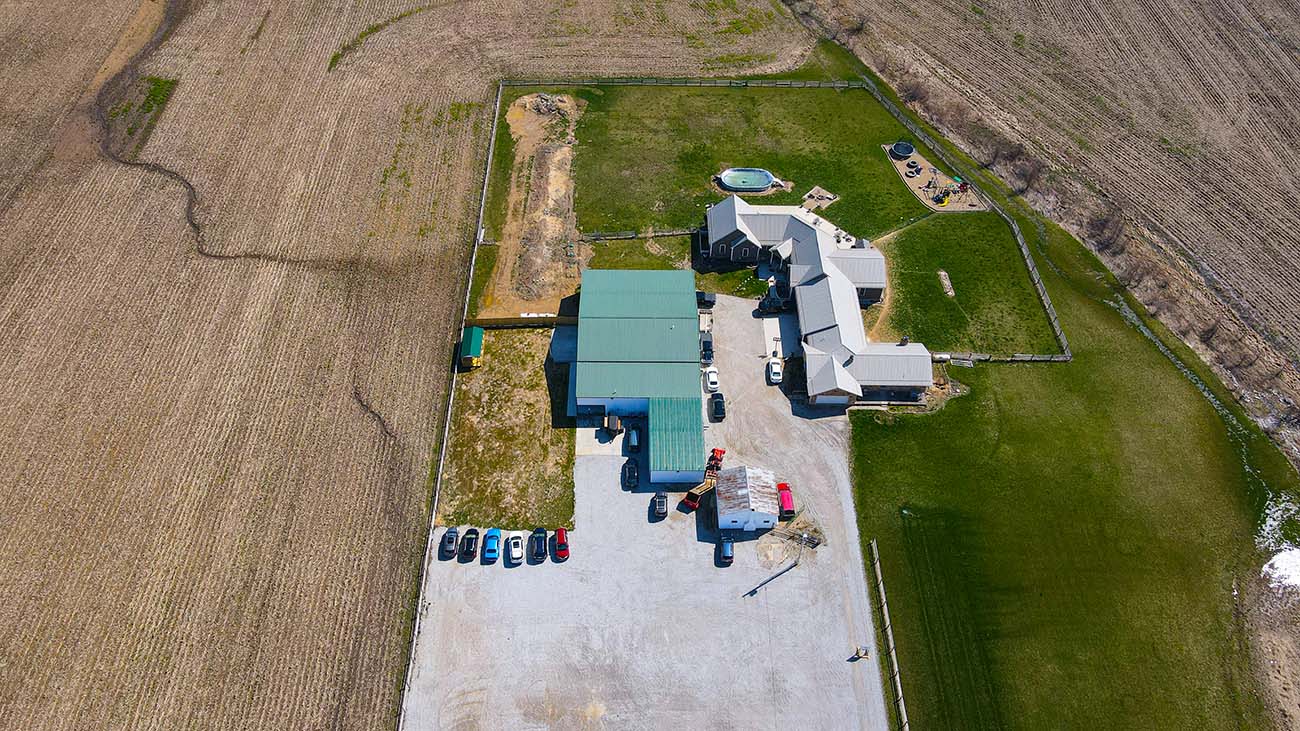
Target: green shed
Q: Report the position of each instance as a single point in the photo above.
(471, 347)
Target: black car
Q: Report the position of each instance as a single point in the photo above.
(705, 300)
(706, 348)
(469, 545)
(717, 407)
(631, 476)
(537, 544)
(449, 541)
(661, 504)
(726, 551)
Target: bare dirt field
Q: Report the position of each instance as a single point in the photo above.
(221, 410)
(539, 258)
(1180, 118)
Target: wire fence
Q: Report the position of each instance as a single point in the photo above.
(731, 83)
(898, 114)
(446, 424)
(895, 675)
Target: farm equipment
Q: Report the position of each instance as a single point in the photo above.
(697, 493)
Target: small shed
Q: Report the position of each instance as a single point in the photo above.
(746, 499)
(471, 347)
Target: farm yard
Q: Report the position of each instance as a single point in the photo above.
(226, 366)
(219, 436)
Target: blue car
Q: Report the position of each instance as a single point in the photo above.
(492, 545)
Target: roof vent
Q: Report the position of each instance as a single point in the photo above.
(904, 341)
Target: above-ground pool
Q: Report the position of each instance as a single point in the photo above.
(746, 180)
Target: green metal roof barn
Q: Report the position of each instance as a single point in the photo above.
(639, 355)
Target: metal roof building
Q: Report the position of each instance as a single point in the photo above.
(638, 354)
(830, 272)
(746, 498)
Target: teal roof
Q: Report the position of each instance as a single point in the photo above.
(616, 293)
(636, 380)
(471, 342)
(639, 339)
(676, 438)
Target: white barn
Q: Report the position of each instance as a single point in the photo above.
(746, 498)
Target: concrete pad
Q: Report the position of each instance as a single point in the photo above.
(781, 334)
(589, 442)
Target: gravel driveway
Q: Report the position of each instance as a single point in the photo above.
(641, 628)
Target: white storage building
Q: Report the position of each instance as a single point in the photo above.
(746, 498)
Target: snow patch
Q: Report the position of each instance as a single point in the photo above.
(1283, 570)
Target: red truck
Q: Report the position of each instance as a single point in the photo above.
(785, 501)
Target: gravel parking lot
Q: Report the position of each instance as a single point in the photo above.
(641, 628)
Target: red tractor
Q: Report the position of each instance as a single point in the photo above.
(697, 493)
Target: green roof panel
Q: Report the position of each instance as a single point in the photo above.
(639, 339)
(676, 438)
(471, 342)
(636, 380)
(614, 293)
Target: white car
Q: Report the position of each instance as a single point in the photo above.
(711, 383)
(774, 371)
(515, 548)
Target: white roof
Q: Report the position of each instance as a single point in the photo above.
(864, 267)
(825, 374)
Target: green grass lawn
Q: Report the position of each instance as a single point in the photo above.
(510, 449)
(646, 155)
(995, 309)
(1060, 546)
(674, 252)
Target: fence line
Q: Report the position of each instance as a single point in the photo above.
(446, 424)
(889, 106)
(895, 676)
(616, 235)
(545, 321)
(647, 81)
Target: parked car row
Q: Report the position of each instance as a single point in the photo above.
(495, 542)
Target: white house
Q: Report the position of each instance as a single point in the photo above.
(746, 498)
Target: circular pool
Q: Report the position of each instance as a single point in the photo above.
(746, 180)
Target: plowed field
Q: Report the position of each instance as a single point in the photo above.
(218, 434)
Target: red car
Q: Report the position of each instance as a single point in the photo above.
(561, 544)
